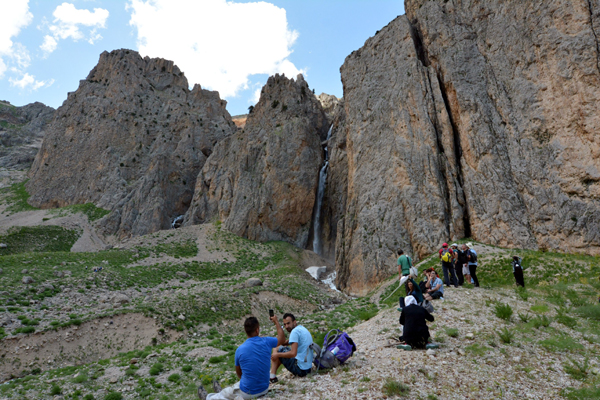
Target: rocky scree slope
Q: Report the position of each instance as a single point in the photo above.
(21, 132)
(261, 182)
(470, 120)
(132, 140)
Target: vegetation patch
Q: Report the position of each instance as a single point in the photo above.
(38, 239)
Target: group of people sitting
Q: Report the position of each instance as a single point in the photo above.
(258, 358)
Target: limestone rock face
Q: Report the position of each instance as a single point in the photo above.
(330, 104)
(131, 139)
(21, 132)
(261, 182)
(470, 120)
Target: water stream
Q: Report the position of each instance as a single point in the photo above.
(317, 239)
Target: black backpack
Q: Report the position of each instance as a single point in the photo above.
(473, 256)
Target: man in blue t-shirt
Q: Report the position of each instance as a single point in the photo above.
(435, 286)
(297, 357)
(252, 362)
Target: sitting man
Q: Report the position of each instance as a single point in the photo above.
(296, 358)
(435, 287)
(251, 365)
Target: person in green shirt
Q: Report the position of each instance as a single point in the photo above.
(404, 264)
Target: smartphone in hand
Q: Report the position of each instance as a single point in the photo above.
(271, 314)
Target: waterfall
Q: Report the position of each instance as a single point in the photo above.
(317, 243)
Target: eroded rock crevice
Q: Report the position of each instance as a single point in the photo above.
(595, 19)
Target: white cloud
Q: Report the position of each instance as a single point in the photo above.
(68, 23)
(29, 81)
(15, 16)
(217, 43)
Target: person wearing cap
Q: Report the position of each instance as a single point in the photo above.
(472, 257)
(446, 255)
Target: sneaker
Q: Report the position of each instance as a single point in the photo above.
(202, 393)
(441, 298)
(216, 386)
(404, 347)
(399, 309)
(432, 346)
(273, 380)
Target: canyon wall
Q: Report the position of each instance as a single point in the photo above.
(470, 119)
(261, 182)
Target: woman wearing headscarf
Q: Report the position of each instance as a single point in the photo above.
(414, 319)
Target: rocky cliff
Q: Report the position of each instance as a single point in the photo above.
(470, 119)
(21, 132)
(131, 139)
(261, 181)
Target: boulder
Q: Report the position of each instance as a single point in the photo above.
(132, 140)
(27, 280)
(120, 299)
(261, 182)
(183, 274)
(25, 271)
(252, 282)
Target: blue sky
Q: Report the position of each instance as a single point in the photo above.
(47, 46)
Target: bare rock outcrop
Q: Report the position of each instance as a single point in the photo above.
(261, 182)
(131, 139)
(330, 105)
(471, 120)
(21, 132)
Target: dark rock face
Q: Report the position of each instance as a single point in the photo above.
(261, 182)
(21, 132)
(470, 120)
(131, 139)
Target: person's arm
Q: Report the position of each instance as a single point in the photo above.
(280, 335)
(428, 316)
(288, 354)
(437, 287)
(416, 287)
(238, 371)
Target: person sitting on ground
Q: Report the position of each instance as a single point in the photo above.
(413, 290)
(435, 287)
(251, 365)
(415, 332)
(518, 271)
(296, 357)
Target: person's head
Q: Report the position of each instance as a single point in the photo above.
(470, 245)
(464, 247)
(445, 245)
(516, 258)
(400, 252)
(428, 271)
(289, 321)
(433, 274)
(251, 326)
(410, 286)
(454, 246)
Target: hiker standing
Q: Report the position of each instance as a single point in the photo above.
(518, 271)
(456, 265)
(472, 257)
(446, 256)
(463, 262)
(404, 264)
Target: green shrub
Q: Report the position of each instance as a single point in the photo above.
(156, 369)
(561, 343)
(174, 378)
(577, 370)
(186, 368)
(81, 378)
(522, 293)
(113, 396)
(25, 329)
(506, 335)
(586, 393)
(367, 314)
(88, 397)
(216, 359)
(524, 317)
(55, 390)
(503, 311)
(540, 321)
(393, 388)
(591, 311)
(540, 308)
(452, 332)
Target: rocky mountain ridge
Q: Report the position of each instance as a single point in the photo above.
(131, 139)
